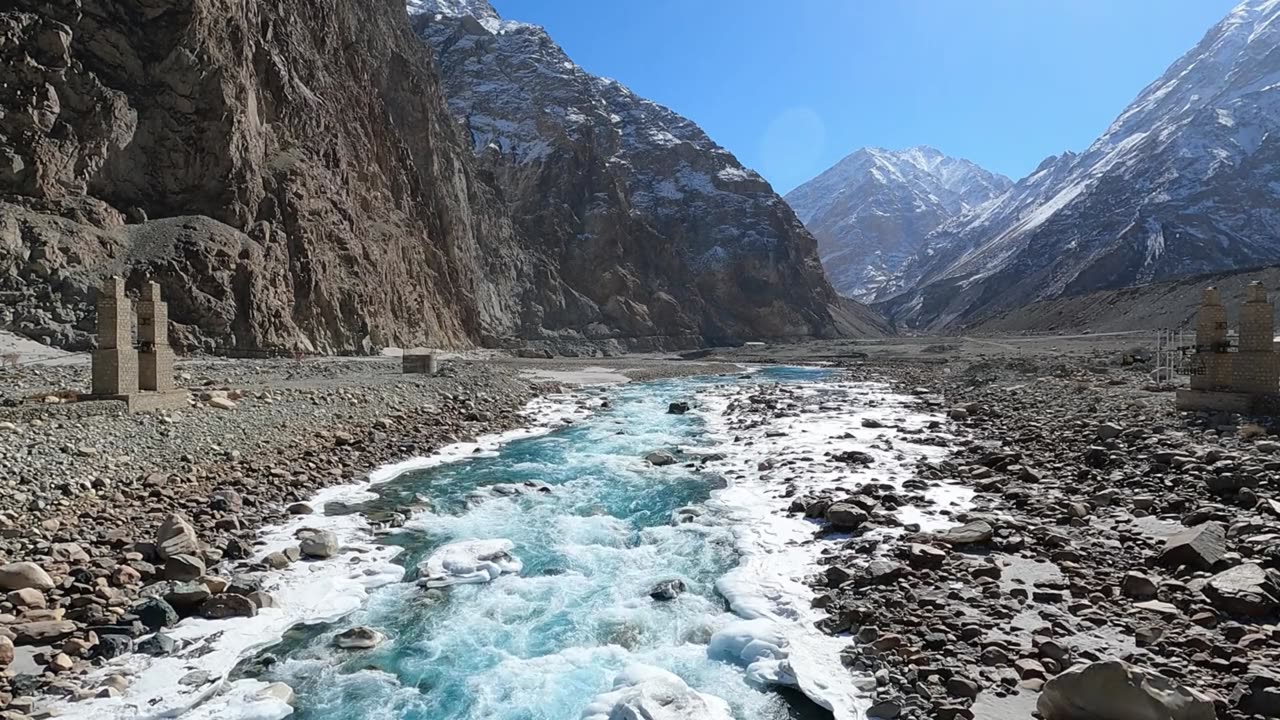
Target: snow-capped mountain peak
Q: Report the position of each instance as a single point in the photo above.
(481, 10)
(1184, 181)
(872, 210)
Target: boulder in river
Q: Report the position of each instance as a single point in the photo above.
(319, 544)
(155, 613)
(158, 645)
(757, 645)
(359, 638)
(667, 590)
(642, 691)
(678, 408)
(844, 516)
(1114, 690)
(659, 458)
(228, 605)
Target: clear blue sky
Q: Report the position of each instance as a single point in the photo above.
(792, 86)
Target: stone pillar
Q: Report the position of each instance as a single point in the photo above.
(1213, 361)
(155, 361)
(1255, 369)
(115, 362)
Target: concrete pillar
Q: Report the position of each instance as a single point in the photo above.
(115, 362)
(155, 361)
(1255, 368)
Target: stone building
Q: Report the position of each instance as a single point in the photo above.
(1244, 377)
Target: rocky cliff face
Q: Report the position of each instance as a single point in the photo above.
(290, 172)
(286, 169)
(1185, 181)
(643, 228)
(872, 211)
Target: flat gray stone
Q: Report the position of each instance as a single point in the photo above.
(1198, 547)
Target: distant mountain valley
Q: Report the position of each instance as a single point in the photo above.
(1185, 181)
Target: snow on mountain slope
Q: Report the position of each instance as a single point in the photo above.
(872, 210)
(1185, 181)
(647, 227)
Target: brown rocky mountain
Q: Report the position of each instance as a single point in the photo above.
(267, 143)
(645, 226)
(291, 175)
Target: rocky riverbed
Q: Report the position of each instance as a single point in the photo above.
(1069, 545)
(111, 525)
(1104, 526)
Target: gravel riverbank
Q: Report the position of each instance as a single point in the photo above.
(99, 510)
(1105, 525)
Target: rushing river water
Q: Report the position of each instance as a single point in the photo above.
(546, 642)
(569, 630)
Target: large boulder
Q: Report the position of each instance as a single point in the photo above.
(1247, 589)
(359, 638)
(155, 613)
(974, 533)
(647, 693)
(659, 458)
(1198, 547)
(319, 544)
(183, 568)
(42, 632)
(845, 516)
(227, 605)
(1114, 690)
(1259, 695)
(176, 537)
(667, 590)
(23, 575)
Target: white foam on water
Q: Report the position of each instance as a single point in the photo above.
(305, 593)
(470, 562)
(778, 550)
(646, 692)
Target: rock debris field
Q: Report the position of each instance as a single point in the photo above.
(1119, 561)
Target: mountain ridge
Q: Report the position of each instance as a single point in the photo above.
(639, 218)
(872, 210)
(1182, 182)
